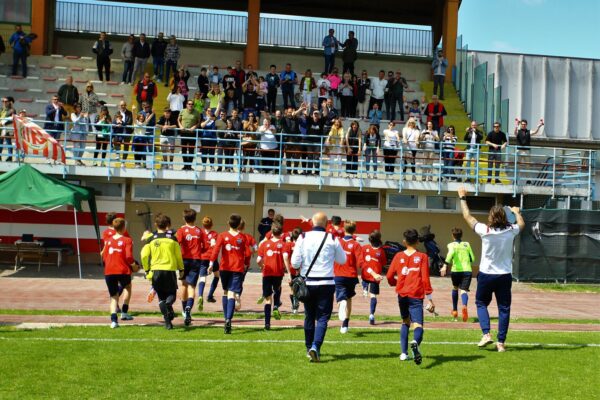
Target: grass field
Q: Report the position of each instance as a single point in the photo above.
(569, 287)
(150, 362)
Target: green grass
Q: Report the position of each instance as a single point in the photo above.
(569, 287)
(150, 362)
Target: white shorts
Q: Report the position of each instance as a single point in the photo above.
(167, 141)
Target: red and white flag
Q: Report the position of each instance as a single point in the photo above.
(33, 140)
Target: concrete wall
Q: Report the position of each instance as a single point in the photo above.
(563, 91)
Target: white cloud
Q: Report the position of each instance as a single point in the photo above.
(504, 47)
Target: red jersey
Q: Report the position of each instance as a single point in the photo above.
(117, 255)
(191, 241)
(412, 275)
(271, 253)
(287, 254)
(336, 232)
(234, 250)
(285, 236)
(353, 259)
(373, 258)
(209, 239)
(253, 247)
(110, 231)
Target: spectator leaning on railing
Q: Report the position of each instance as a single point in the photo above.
(167, 125)
(523, 136)
(80, 128)
(448, 145)
(188, 122)
(473, 137)
(55, 113)
(127, 118)
(6, 115)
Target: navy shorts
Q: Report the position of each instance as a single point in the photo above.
(461, 280)
(232, 281)
(411, 308)
(191, 271)
(113, 281)
(345, 288)
(270, 284)
(373, 286)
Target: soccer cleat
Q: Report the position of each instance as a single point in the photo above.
(260, 300)
(168, 325)
(267, 327)
(485, 340)
(500, 347)
(404, 357)
(228, 327)
(371, 319)
(150, 296)
(343, 330)
(465, 314)
(313, 353)
(114, 324)
(126, 317)
(414, 346)
(211, 300)
(170, 312)
(276, 314)
(342, 310)
(200, 304)
(187, 316)
(454, 314)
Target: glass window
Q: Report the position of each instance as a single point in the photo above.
(440, 203)
(403, 201)
(480, 203)
(193, 193)
(324, 198)
(283, 196)
(106, 189)
(234, 194)
(362, 199)
(153, 192)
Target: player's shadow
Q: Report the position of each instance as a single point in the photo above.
(442, 359)
(539, 347)
(362, 356)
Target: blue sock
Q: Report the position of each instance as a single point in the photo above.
(213, 287)
(418, 334)
(224, 301)
(346, 322)
(267, 314)
(365, 285)
(404, 338)
(190, 303)
(183, 304)
(201, 286)
(230, 308)
(113, 317)
(125, 308)
(465, 298)
(373, 304)
(454, 299)
(277, 298)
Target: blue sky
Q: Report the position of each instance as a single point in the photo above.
(551, 27)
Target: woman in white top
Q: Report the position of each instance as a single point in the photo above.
(334, 146)
(429, 139)
(176, 100)
(81, 126)
(495, 269)
(391, 144)
(410, 138)
(268, 146)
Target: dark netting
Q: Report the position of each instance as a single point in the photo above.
(559, 245)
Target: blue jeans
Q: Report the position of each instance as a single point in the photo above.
(158, 63)
(317, 309)
(19, 57)
(329, 62)
(170, 65)
(470, 156)
(500, 286)
(448, 157)
(127, 71)
(371, 158)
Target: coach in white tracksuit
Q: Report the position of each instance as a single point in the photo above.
(320, 284)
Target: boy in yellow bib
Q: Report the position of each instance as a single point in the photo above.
(460, 257)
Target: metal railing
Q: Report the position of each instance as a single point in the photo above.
(211, 27)
(240, 154)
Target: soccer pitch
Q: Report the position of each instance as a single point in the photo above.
(150, 362)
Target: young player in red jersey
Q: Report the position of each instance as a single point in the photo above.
(287, 260)
(278, 219)
(191, 240)
(107, 234)
(253, 249)
(270, 260)
(117, 255)
(210, 239)
(336, 228)
(373, 260)
(409, 272)
(234, 250)
(346, 275)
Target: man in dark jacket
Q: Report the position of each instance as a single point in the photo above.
(158, 56)
(54, 117)
(349, 54)
(397, 86)
(141, 52)
(68, 95)
(127, 118)
(103, 50)
(265, 224)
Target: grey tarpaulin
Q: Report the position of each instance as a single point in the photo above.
(564, 247)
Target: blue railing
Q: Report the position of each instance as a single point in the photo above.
(212, 27)
(246, 153)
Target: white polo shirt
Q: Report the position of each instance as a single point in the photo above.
(305, 250)
(496, 248)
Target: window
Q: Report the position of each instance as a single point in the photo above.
(152, 192)
(440, 203)
(324, 198)
(362, 199)
(193, 193)
(283, 196)
(234, 194)
(480, 203)
(403, 201)
(106, 189)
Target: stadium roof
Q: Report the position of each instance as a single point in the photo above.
(421, 12)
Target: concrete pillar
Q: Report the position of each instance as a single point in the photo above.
(450, 33)
(40, 19)
(251, 52)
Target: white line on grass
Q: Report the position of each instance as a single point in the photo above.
(282, 341)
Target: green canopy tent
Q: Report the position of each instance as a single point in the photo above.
(29, 189)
